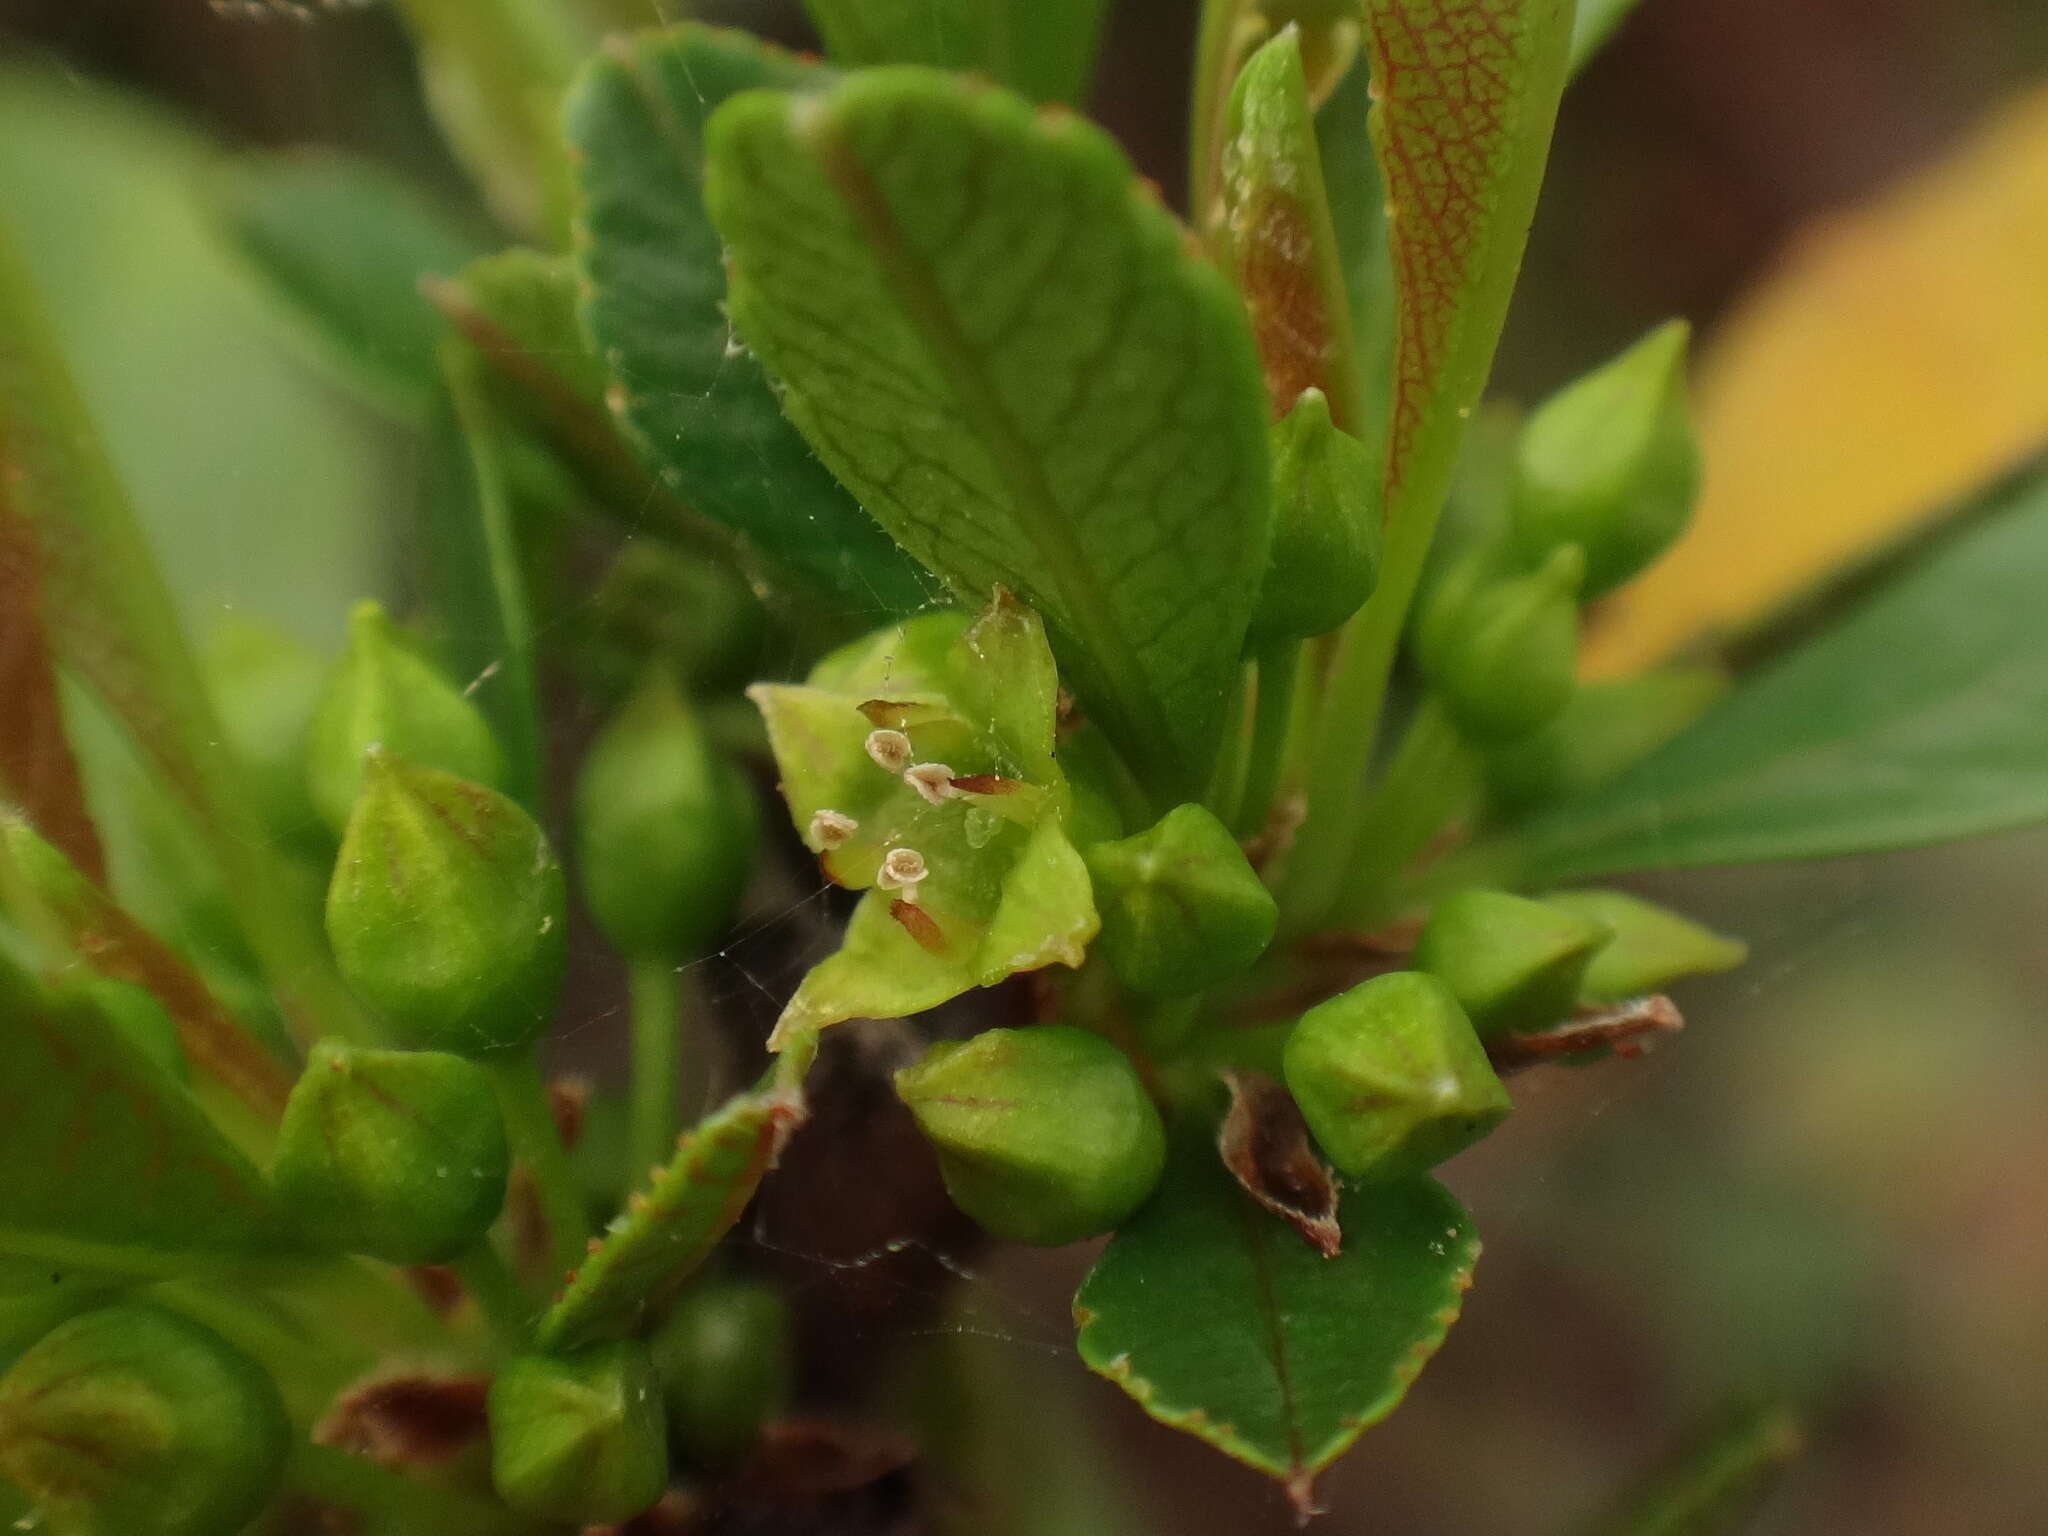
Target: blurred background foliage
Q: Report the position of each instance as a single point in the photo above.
(1834, 1184)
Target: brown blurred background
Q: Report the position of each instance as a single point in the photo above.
(1834, 1185)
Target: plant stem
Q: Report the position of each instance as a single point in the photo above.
(656, 1019)
(1429, 780)
(1272, 715)
(499, 1300)
(530, 1125)
(388, 1502)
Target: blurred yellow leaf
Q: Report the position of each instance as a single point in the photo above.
(1896, 358)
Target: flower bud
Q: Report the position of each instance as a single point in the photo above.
(1044, 1135)
(384, 693)
(134, 1421)
(1610, 463)
(1504, 662)
(1391, 1077)
(396, 1154)
(1650, 948)
(1606, 727)
(1512, 963)
(446, 910)
(1325, 557)
(665, 829)
(265, 684)
(723, 1358)
(1181, 908)
(579, 1437)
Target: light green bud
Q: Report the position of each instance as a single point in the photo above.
(723, 1355)
(1325, 558)
(384, 693)
(1650, 948)
(1181, 907)
(446, 911)
(1606, 727)
(266, 684)
(399, 1155)
(1503, 663)
(134, 1421)
(579, 1437)
(1611, 463)
(1391, 1077)
(1044, 1135)
(1512, 963)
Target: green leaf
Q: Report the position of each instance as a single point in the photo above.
(1921, 717)
(1003, 889)
(696, 406)
(1714, 1484)
(1003, 345)
(1044, 48)
(1218, 1319)
(345, 243)
(1595, 23)
(113, 1166)
(670, 1226)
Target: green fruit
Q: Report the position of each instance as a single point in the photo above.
(384, 693)
(396, 1154)
(1391, 1077)
(579, 1437)
(446, 911)
(1512, 963)
(1181, 908)
(1044, 1135)
(665, 829)
(1650, 948)
(1503, 661)
(723, 1358)
(133, 1421)
(1610, 463)
(1325, 558)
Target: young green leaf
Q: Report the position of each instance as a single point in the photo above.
(129, 1175)
(670, 1226)
(344, 243)
(1218, 1319)
(696, 405)
(1922, 717)
(1004, 347)
(1044, 48)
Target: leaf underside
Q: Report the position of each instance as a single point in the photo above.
(1221, 1321)
(1005, 347)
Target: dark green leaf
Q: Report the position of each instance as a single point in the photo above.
(1220, 1320)
(697, 406)
(1921, 717)
(1044, 48)
(991, 333)
(345, 244)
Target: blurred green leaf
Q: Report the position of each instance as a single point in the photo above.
(345, 244)
(1711, 1487)
(1921, 717)
(697, 406)
(996, 338)
(1220, 1320)
(1044, 48)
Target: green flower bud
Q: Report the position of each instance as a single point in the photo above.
(1504, 663)
(665, 829)
(1610, 463)
(396, 1154)
(579, 1437)
(133, 1421)
(1512, 963)
(1391, 1077)
(1044, 1135)
(1325, 557)
(1606, 727)
(266, 683)
(384, 693)
(447, 910)
(1650, 948)
(1181, 907)
(724, 1362)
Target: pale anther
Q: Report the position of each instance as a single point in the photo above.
(890, 749)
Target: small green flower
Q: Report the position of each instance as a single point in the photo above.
(1503, 659)
(1325, 558)
(1181, 907)
(1512, 963)
(579, 1437)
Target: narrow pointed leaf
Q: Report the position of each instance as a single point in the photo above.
(695, 404)
(1219, 1320)
(1006, 349)
(1921, 717)
(671, 1226)
(1044, 48)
